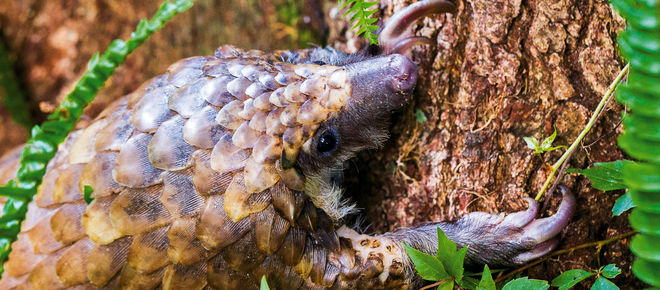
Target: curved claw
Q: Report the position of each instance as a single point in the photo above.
(397, 25)
(538, 251)
(403, 46)
(544, 229)
(521, 218)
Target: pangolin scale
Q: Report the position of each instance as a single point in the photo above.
(221, 171)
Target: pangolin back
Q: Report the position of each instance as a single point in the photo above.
(193, 186)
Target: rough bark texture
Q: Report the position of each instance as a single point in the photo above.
(500, 70)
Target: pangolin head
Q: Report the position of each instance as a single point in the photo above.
(296, 117)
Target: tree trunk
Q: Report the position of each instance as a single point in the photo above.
(499, 71)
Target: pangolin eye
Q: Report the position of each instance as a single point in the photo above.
(319, 62)
(327, 142)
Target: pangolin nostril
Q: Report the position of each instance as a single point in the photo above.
(404, 72)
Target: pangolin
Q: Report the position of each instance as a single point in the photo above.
(225, 169)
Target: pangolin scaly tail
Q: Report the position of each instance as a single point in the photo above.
(226, 168)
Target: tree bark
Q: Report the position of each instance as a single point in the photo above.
(498, 71)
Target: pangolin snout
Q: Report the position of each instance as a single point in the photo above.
(384, 80)
(403, 73)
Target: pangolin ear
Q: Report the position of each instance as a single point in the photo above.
(393, 38)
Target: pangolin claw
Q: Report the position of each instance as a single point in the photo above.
(393, 37)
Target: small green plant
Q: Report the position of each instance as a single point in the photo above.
(362, 17)
(264, 283)
(420, 116)
(570, 278)
(446, 267)
(545, 146)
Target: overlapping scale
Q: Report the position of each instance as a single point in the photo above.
(215, 229)
(115, 133)
(44, 275)
(22, 258)
(42, 238)
(184, 246)
(206, 180)
(201, 130)
(105, 261)
(167, 149)
(98, 173)
(186, 70)
(152, 109)
(96, 221)
(135, 211)
(221, 276)
(267, 149)
(237, 87)
(148, 252)
(259, 176)
(240, 203)
(188, 99)
(245, 137)
(180, 197)
(130, 278)
(66, 223)
(133, 167)
(215, 91)
(228, 115)
(227, 157)
(71, 268)
(82, 150)
(243, 255)
(66, 185)
(178, 276)
(269, 230)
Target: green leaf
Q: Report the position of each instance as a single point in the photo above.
(570, 278)
(604, 176)
(526, 284)
(468, 282)
(532, 143)
(451, 259)
(446, 247)
(622, 204)
(454, 265)
(449, 285)
(264, 283)
(88, 190)
(486, 282)
(603, 284)
(547, 142)
(420, 116)
(610, 271)
(427, 266)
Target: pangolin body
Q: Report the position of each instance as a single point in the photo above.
(220, 171)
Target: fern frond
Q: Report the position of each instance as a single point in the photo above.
(362, 14)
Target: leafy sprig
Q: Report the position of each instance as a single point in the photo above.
(42, 146)
(362, 15)
(545, 146)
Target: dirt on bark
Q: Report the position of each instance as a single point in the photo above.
(498, 71)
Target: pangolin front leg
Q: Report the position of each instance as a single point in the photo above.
(228, 167)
